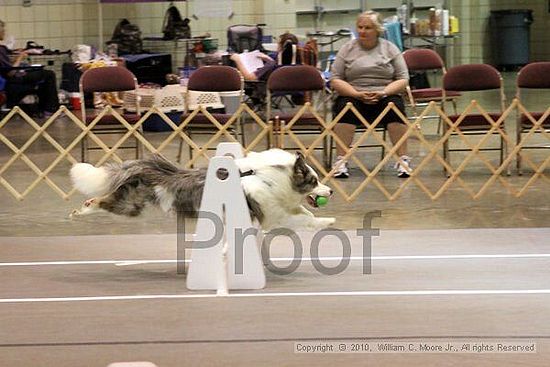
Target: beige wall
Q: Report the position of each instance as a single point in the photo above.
(474, 43)
(59, 24)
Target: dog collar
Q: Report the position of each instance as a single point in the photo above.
(250, 172)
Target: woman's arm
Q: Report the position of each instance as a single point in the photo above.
(4, 57)
(396, 87)
(22, 55)
(337, 79)
(5, 60)
(401, 76)
(344, 88)
(399, 85)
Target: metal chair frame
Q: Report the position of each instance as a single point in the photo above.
(426, 60)
(108, 79)
(473, 78)
(301, 78)
(535, 76)
(219, 73)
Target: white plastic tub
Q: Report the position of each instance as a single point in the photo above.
(231, 101)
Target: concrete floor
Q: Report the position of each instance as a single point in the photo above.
(62, 307)
(101, 289)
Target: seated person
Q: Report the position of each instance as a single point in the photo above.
(20, 81)
(369, 72)
(284, 56)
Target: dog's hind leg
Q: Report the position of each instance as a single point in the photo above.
(90, 206)
(121, 202)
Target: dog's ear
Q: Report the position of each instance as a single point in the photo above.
(303, 179)
(300, 164)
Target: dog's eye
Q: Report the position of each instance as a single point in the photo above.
(311, 181)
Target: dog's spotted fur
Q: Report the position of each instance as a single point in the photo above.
(274, 192)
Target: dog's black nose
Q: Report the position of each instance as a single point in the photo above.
(330, 192)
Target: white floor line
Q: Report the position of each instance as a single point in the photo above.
(278, 259)
(480, 292)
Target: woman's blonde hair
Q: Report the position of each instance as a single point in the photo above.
(375, 18)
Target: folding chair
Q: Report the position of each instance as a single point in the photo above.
(241, 37)
(248, 37)
(472, 78)
(109, 79)
(292, 79)
(534, 76)
(421, 60)
(203, 89)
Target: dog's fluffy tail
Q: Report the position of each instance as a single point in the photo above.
(89, 180)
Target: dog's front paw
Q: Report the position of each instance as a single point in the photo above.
(321, 223)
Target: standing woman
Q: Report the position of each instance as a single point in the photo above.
(369, 72)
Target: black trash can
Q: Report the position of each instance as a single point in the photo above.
(510, 37)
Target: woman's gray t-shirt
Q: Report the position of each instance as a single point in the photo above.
(369, 69)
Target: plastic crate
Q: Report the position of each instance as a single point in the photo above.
(167, 99)
(170, 98)
(209, 100)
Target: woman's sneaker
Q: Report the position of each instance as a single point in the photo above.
(403, 166)
(340, 167)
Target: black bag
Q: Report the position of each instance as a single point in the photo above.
(419, 81)
(174, 26)
(128, 38)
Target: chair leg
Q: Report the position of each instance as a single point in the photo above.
(446, 155)
(277, 132)
(139, 146)
(501, 151)
(518, 163)
(518, 155)
(326, 153)
(504, 153)
(191, 156)
(190, 148)
(330, 151)
(180, 151)
(269, 137)
(84, 147)
(440, 121)
(240, 122)
(383, 146)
